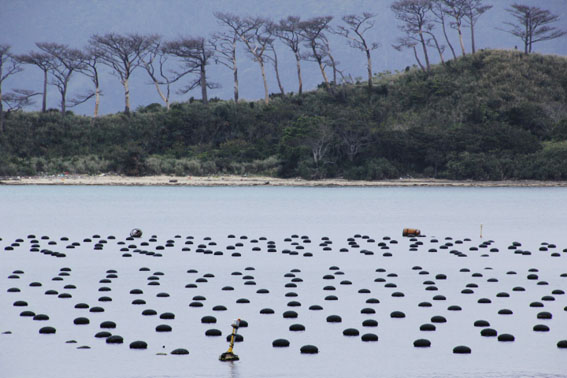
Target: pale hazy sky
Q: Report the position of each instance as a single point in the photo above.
(72, 22)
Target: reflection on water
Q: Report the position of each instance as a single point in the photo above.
(233, 367)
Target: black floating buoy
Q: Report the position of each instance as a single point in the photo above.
(114, 339)
(266, 311)
(488, 332)
(297, 327)
(81, 321)
(562, 344)
(422, 343)
(47, 330)
(149, 312)
(108, 324)
(506, 337)
(351, 332)
(208, 319)
(41, 317)
(427, 327)
(163, 328)
(290, 314)
(334, 319)
(237, 338)
(541, 328)
(397, 315)
(280, 343)
(103, 335)
(438, 319)
(138, 345)
(180, 351)
(369, 337)
(370, 323)
(505, 311)
(462, 349)
(481, 323)
(213, 332)
(309, 349)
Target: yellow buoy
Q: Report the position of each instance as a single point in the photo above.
(229, 355)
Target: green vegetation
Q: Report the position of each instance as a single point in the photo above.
(493, 115)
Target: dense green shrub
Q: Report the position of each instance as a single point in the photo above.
(489, 116)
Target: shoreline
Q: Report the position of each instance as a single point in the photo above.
(234, 180)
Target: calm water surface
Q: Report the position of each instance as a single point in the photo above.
(529, 215)
(505, 213)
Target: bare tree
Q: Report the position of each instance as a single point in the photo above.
(8, 66)
(257, 37)
(195, 54)
(438, 10)
(356, 27)
(406, 42)
(44, 62)
(330, 60)
(288, 31)
(414, 15)
(122, 53)
(90, 69)
(313, 32)
(457, 10)
(533, 25)
(17, 99)
(473, 10)
(155, 63)
(224, 44)
(432, 37)
(225, 48)
(274, 59)
(65, 62)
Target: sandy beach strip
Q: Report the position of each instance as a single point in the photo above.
(234, 180)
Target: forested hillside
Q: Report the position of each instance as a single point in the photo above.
(489, 116)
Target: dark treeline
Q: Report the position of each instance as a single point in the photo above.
(491, 115)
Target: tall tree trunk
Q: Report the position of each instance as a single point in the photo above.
(204, 85)
(473, 49)
(97, 101)
(526, 38)
(126, 96)
(278, 73)
(298, 63)
(1, 105)
(461, 39)
(320, 62)
(424, 50)
(334, 66)
(1, 108)
(438, 48)
(266, 93)
(44, 99)
(235, 72)
(417, 59)
(63, 100)
(530, 38)
(447, 39)
(369, 69)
